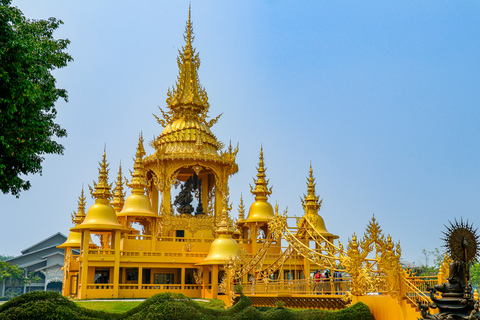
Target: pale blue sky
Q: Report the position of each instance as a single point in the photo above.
(382, 97)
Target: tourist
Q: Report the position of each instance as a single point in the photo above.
(337, 278)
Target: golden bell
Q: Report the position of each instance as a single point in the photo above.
(222, 249)
(100, 217)
(259, 211)
(137, 205)
(74, 240)
(319, 225)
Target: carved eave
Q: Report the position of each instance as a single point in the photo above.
(224, 161)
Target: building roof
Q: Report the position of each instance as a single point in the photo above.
(45, 242)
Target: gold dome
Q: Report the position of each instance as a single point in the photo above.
(74, 240)
(137, 205)
(259, 211)
(319, 225)
(100, 216)
(222, 249)
(187, 136)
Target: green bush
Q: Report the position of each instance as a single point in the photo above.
(47, 305)
(50, 305)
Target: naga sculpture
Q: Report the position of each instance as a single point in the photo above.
(456, 300)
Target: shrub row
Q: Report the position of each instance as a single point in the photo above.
(50, 305)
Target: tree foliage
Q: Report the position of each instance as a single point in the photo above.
(431, 262)
(4, 257)
(12, 273)
(28, 54)
(475, 274)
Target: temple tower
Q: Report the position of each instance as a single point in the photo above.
(187, 154)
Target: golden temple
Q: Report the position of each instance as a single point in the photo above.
(189, 244)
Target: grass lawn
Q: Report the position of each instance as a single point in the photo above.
(119, 306)
(109, 306)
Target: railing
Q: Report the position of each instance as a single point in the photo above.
(99, 286)
(166, 287)
(138, 237)
(181, 239)
(111, 252)
(297, 287)
(422, 283)
(101, 252)
(416, 288)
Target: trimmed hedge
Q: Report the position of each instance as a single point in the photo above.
(47, 305)
(50, 305)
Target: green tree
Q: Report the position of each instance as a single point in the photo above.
(28, 54)
(31, 278)
(12, 273)
(475, 274)
(4, 257)
(431, 262)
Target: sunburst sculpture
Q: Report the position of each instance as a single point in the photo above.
(461, 241)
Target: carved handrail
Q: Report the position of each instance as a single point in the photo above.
(308, 253)
(247, 267)
(413, 293)
(315, 235)
(277, 264)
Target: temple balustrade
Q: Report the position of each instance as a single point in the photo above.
(142, 290)
(331, 287)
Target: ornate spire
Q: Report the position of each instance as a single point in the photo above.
(102, 188)
(224, 226)
(311, 202)
(241, 209)
(118, 194)
(79, 216)
(187, 99)
(138, 182)
(261, 190)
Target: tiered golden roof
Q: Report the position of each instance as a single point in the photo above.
(311, 205)
(101, 215)
(260, 210)
(186, 133)
(138, 204)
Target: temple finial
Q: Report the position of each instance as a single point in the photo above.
(102, 188)
(138, 183)
(79, 216)
(311, 202)
(261, 190)
(118, 194)
(224, 226)
(241, 209)
(188, 99)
